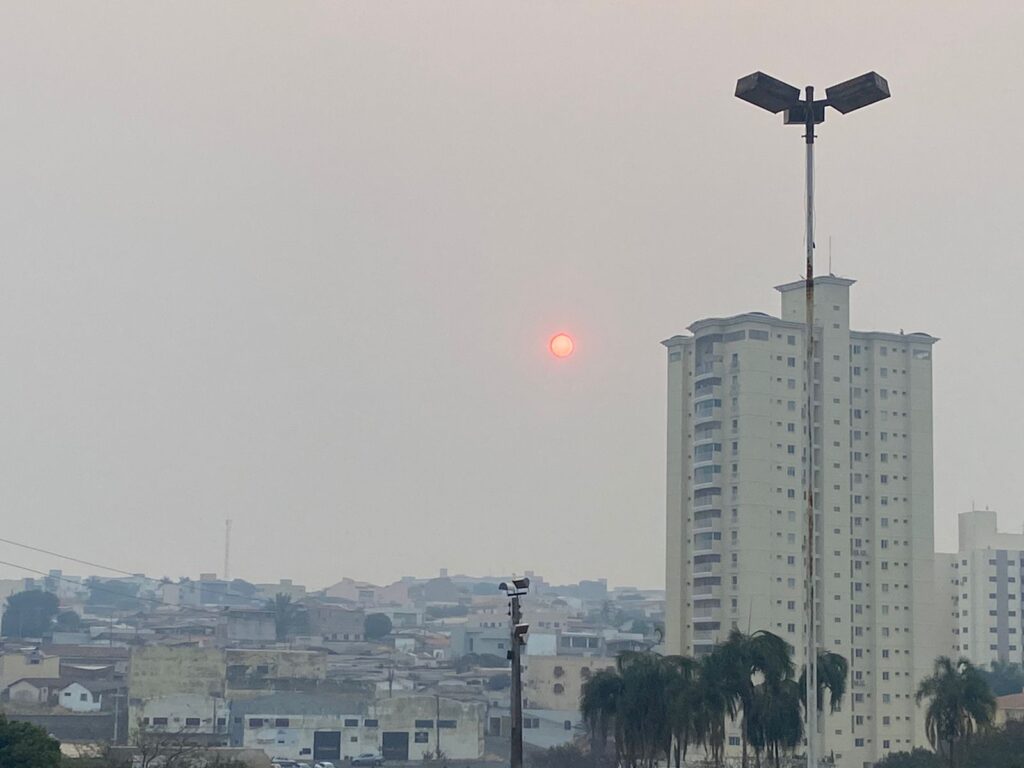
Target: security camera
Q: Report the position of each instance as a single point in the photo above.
(523, 583)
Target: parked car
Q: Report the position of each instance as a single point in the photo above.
(368, 759)
(323, 764)
(281, 762)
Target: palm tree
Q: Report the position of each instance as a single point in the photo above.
(682, 704)
(761, 655)
(960, 703)
(599, 701)
(715, 700)
(832, 673)
(643, 731)
(288, 616)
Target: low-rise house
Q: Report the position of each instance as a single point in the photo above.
(35, 690)
(402, 728)
(1009, 708)
(89, 695)
(27, 663)
(248, 626)
(335, 623)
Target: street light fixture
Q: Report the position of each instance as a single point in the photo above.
(514, 591)
(775, 96)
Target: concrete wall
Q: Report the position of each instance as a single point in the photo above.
(556, 682)
(277, 663)
(178, 709)
(159, 671)
(98, 727)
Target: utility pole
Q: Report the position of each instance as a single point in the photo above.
(517, 589)
(117, 715)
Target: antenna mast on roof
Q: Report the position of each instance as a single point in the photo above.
(227, 550)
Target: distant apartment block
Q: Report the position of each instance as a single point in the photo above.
(736, 505)
(982, 590)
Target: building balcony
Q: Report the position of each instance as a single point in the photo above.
(708, 522)
(713, 501)
(706, 368)
(707, 590)
(710, 414)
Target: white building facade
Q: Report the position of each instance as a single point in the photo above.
(983, 592)
(736, 509)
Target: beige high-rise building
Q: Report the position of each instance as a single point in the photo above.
(737, 454)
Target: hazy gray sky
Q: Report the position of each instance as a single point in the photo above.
(296, 264)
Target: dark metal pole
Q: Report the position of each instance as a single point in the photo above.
(811, 708)
(516, 692)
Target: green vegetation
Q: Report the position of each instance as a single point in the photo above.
(377, 626)
(29, 614)
(290, 618)
(27, 746)
(1004, 678)
(659, 707)
(960, 704)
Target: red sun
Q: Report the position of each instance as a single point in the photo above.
(561, 345)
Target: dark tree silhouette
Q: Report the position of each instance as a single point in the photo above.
(29, 614)
(23, 745)
(377, 626)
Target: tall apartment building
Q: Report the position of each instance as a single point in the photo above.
(983, 599)
(737, 454)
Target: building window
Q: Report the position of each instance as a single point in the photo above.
(371, 723)
(453, 723)
(159, 721)
(281, 722)
(192, 722)
(256, 722)
(351, 723)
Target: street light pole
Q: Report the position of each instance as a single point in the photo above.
(811, 618)
(775, 96)
(514, 591)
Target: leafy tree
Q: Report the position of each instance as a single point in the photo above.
(114, 594)
(29, 614)
(377, 626)
(919, 758)
(1004, 678)
(23, 745)
(290, 618)
(960, 703)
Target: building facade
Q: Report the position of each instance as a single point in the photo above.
(984, 591)
(736, 506)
